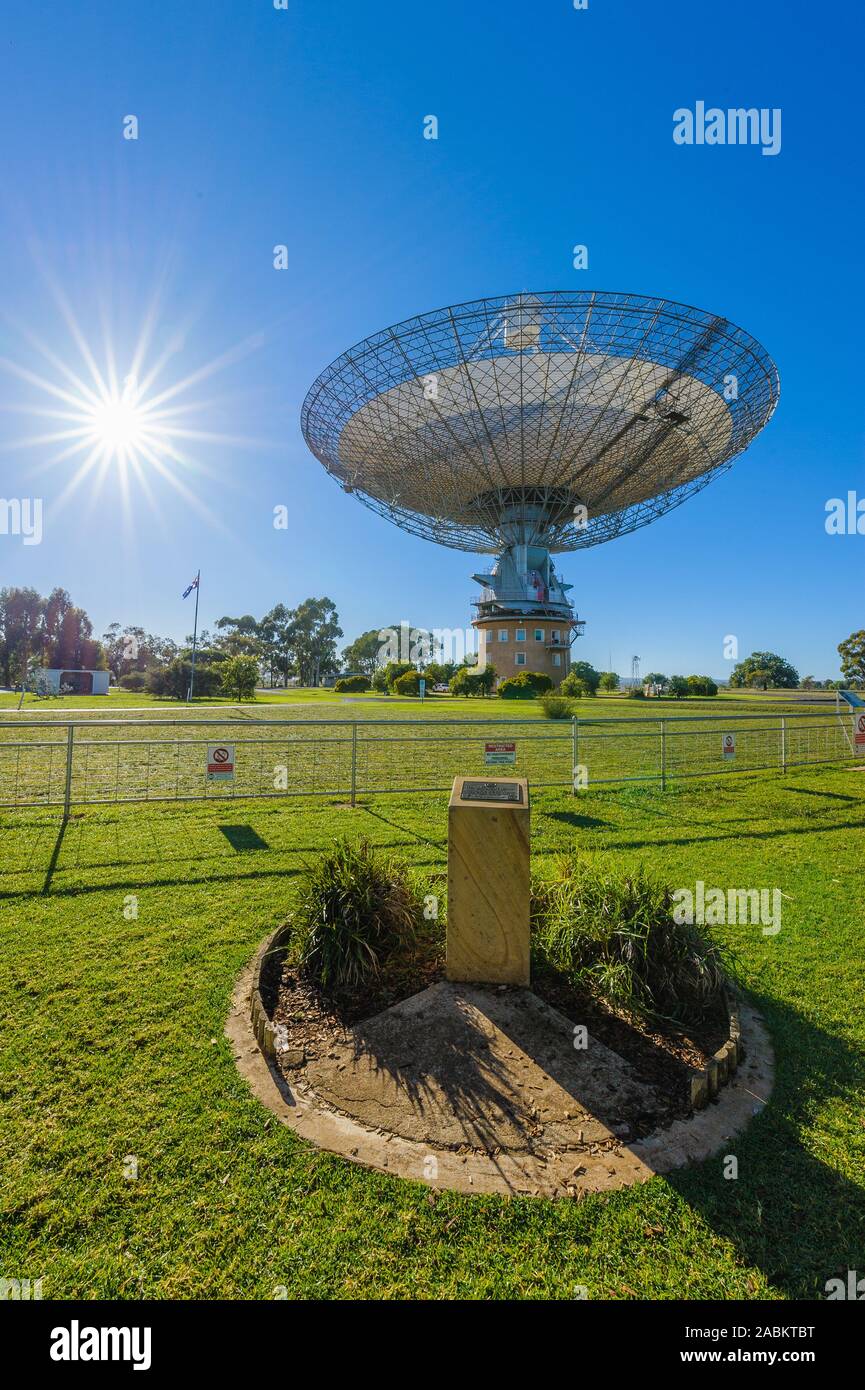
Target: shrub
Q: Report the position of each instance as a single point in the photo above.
(575, 686)
(355, 910)
(408, 683)
(173, 680)
(350, 684)
(468, 681)
(133, 680)
(525, 686)
(239, 676)
(556, 706)
(394, 669)
(636, 692)
(612, 933)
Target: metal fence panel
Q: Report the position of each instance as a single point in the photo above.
(99, 761)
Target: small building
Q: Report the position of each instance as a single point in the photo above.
(55, 681)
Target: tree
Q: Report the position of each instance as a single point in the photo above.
(852, 653)
(701, 685)
(69, 640)
(760, 678)
(21, 614)
(240, 637)
(275, 631)
(312, 635)
(764, 669)
(678, 687)
(609, 681)
(51, 632)
(440, 672)
(586, 672)
(364, 653)
(467, 681)
(130, 649)
(239, 677)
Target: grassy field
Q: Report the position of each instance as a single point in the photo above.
(114, 1049)
(122, 700)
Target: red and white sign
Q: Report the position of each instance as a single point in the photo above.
(500, 753)
(220, 762)
(859, 726)
(728, 745)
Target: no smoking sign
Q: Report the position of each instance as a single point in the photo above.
(220, 762)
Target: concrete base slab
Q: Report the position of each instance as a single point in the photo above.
(476, 1091)
(460, 1065)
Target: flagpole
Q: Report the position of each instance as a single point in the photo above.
(194, 638)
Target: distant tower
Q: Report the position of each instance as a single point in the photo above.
(635, 670)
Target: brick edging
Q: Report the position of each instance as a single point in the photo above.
(262, 1025)
(707, 1081)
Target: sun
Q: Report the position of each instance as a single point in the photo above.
(118, 424)
(138, 427)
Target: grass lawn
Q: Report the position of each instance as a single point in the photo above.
(118, 700)
(113, 1046)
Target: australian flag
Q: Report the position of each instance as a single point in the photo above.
(193, 585)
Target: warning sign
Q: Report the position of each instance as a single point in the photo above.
(859, 724)
(500, 753)
(728, 745)
(220, 762)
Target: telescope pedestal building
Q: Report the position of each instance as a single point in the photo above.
(523, 617)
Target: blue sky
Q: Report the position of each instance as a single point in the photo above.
(304, 127)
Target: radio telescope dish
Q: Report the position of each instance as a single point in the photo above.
(538, 423)
(463, 423)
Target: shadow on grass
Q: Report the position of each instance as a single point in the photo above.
(406, 829)
(782, 832)
(55, 855)
(574, 819)
(800, 1220)
(243, 837)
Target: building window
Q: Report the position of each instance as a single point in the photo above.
(520, 658)
(557, 658)
(520, 635)
(539, 634)
(503, 634)
(555, 635)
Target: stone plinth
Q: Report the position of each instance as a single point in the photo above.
(488, 882)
